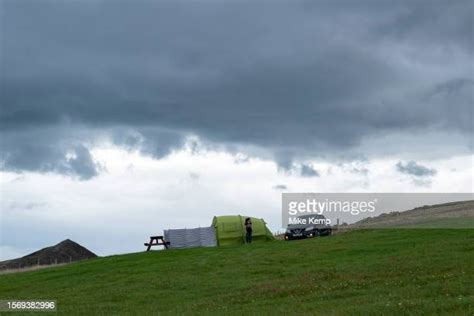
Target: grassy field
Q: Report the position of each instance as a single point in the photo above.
(362, 272)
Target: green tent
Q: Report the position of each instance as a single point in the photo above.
(230, 230)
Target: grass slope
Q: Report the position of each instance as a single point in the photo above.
(455, 223)
(363, 272)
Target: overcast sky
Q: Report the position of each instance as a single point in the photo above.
(121, 118)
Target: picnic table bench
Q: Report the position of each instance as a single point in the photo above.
(156, 241)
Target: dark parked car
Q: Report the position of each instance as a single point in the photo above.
(309, 226)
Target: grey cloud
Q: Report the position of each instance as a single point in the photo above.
(45, 151)
(25, 205)
(296, 79)
(361, 170)
(280, 187)
(422, 182)
(240, 158)
(414, 169)
(194, 176)
(82, 164)
(432, 24)
(454, 98)
(154, 142)
(307, 170)
(356, 167)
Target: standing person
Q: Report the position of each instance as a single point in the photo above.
(248, 228)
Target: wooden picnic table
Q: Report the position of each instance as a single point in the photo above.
(156, 241)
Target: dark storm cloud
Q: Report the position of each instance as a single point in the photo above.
(51, 159)
(154, 142)
(414, 169)
(50, 150)
(297, 79)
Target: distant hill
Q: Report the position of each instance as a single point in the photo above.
(447, 215)
(64, 252)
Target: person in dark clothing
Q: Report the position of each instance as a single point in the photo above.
(248, 228)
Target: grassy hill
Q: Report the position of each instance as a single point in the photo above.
(387, 271)
(448, 215)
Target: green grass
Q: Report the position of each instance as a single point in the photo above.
(362, 272)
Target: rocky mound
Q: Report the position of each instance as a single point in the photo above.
(65, 252)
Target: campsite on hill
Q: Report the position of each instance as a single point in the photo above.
(388, 271)
(298, 157)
